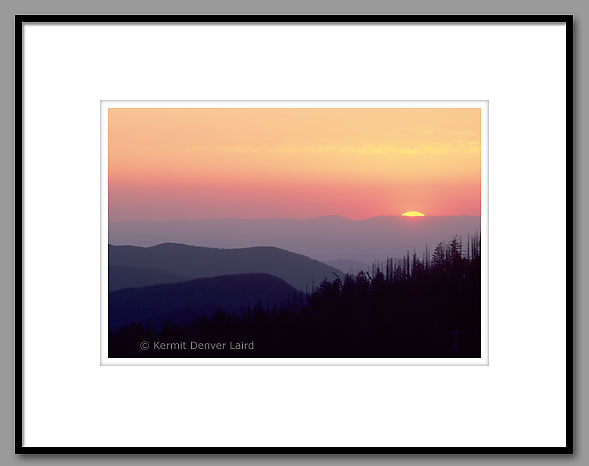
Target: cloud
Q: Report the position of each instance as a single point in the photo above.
(459, 146)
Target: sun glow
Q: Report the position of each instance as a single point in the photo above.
(412, 213)
(199, 163)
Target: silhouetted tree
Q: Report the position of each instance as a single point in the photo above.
(428, 307)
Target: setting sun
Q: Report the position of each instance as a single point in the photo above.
(412, 213)
(202, 163)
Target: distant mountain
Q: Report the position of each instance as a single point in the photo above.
(323, 238)
(348, 265)
(198, 262)
(180, 303)
(128, 276)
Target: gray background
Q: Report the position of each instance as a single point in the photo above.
(8, 8)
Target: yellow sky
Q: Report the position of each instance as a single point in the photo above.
(266, 162)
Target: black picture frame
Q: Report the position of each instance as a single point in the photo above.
(20, 20)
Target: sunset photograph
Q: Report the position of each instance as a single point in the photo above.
(295, 234)
(303, 232)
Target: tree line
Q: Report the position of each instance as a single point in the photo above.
(426, 305)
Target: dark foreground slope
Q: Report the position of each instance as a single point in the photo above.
(198, 262)
(414, 307)
(180, 303)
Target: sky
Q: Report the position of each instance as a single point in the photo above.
(196, 163)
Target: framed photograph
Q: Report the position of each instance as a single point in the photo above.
(215, 249)
(294, 234)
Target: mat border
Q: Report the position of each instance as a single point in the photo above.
(20, 20)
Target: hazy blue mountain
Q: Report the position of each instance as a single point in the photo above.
(348, 265)
(323, 238)
(128, 276)
(198, 262)
(180, 303)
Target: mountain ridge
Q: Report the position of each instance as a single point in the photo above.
(181, 302)
(320, 238)
(194, 262)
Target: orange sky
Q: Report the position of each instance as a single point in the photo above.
(292, 162)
